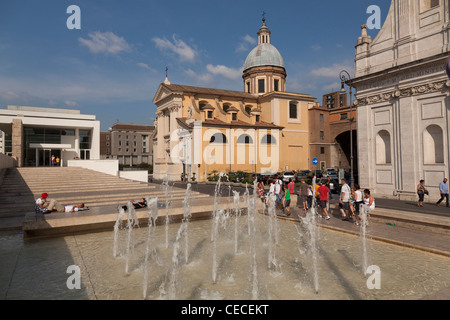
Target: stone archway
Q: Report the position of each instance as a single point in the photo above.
(342, 141)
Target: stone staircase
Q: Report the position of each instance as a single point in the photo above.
(20, 187)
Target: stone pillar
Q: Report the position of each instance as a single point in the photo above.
(17, 141)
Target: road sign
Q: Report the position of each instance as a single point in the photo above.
(315, 161)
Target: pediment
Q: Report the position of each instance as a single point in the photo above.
(162, 93)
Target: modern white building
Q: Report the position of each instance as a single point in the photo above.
(403, 100)
(37, 134)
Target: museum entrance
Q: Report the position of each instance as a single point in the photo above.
(44, 157)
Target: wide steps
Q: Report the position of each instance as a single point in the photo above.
(22, 186)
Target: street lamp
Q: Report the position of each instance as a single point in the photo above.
(345, 77)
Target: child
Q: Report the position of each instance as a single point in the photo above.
(287, 202)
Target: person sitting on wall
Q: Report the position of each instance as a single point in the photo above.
(43, 205)
(137, 204)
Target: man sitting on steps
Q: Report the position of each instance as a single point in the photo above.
(45, 206)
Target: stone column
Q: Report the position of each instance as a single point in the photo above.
(17, 141)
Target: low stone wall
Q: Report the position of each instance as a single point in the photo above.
(105, 166)
(7, 162)
(135, 175)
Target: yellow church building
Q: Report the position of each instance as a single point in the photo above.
(263, 129)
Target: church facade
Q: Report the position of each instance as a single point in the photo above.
(403, 100)
(262, 129)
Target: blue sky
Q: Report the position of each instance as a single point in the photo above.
(113, 65)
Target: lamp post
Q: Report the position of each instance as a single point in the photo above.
(345, 77)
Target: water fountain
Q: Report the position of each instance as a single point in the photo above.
(168, 196)
(132, 222)
(364, 211)
(152, 204)
(237, 214)
(267, 269)
(311, 225)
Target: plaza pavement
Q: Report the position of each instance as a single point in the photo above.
(426, 229)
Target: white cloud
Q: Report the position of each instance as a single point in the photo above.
(332, 87)
(332, 71)
(245, 43)
(71, 103)
(316, 47)
(145, 66)
(229, 73)
(179, 47)
(204, 78)
(105, 42)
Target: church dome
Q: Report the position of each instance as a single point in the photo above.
(264, 54)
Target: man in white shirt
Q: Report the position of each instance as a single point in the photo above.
(344, 199)
(278, 195)
(73, 208)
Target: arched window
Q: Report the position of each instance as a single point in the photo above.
(268, 139)
(433, 145)
(383, 147)
(245, 139)
(218, 138)
(226, 107)
(248, 109)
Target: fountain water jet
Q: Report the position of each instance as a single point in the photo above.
(166, 187)
(310, 222)
(152, 216)
(132, 222)
(116, 231)
(252, 249)
(237, 214)
(364, 210)
(186, 218)
(215, 236)
(272, 241)
(216, 203)
(176, 261)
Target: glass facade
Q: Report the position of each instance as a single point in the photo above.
(51, 136)
(7, 144)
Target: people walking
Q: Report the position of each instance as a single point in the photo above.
(304, 195)
(443, 189)
(287, 201)
(359, 200)
(421, 192)
(344, 200)
(279, 197)
(309, 200)
(324, 193)
(328, 184)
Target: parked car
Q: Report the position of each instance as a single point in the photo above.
(303, 174)
(316, 173)
(288, 175)
(332, 173)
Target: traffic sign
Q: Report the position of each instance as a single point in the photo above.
(315, 161)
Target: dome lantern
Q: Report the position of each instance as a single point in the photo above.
(264, 67)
